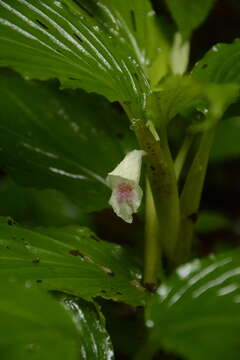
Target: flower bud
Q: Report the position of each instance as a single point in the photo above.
(124, 182)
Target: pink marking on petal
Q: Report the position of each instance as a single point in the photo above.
(124, 192)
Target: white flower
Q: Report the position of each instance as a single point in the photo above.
(124, 182)
(179, 55)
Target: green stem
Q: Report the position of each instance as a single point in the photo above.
(181, 157)
(163, 183)
(152, 255)
(191, 195)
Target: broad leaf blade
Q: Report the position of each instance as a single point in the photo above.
(226, 144)
(220, 65)
(95, 342)
(34, 325)
(143, 31)
(178, 94)
(72, 260)
(67, 141)
(183, 94)
(196, 313)
(189, 14)
(82, 44)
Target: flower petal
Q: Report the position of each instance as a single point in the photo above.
(124, 182)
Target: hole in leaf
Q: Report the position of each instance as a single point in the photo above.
(71, 78)
(133, 20)
(86, 10)
(135, 75)
(78, 37)
(42, 24)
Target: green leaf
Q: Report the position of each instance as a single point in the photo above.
(145, 34)
(62, 140)
(94, 339)
(183, 94)
(209, 221)
(35, 326)
(220, 65)
(85, 44)
(226, 143)
(196, 313)
(177, 94)
(189, 14)
(72, 260)
(39, 207)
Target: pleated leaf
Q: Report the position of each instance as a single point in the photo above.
(95, 45)
(196, 314)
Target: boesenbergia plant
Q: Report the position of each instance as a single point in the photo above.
(101, 108)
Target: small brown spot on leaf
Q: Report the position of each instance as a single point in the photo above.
(36, 260)
(76, 253)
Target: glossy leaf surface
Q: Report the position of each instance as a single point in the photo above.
(220, 65)
(34, 325)
(94, 45)
(94, 340)
(189, 14)
(196, 314)
(63, 140)
(71, 259)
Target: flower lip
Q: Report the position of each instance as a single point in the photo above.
(124, 192)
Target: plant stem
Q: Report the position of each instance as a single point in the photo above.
(163, 184)
(181, 157)
(191, 195)
(152, 255)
